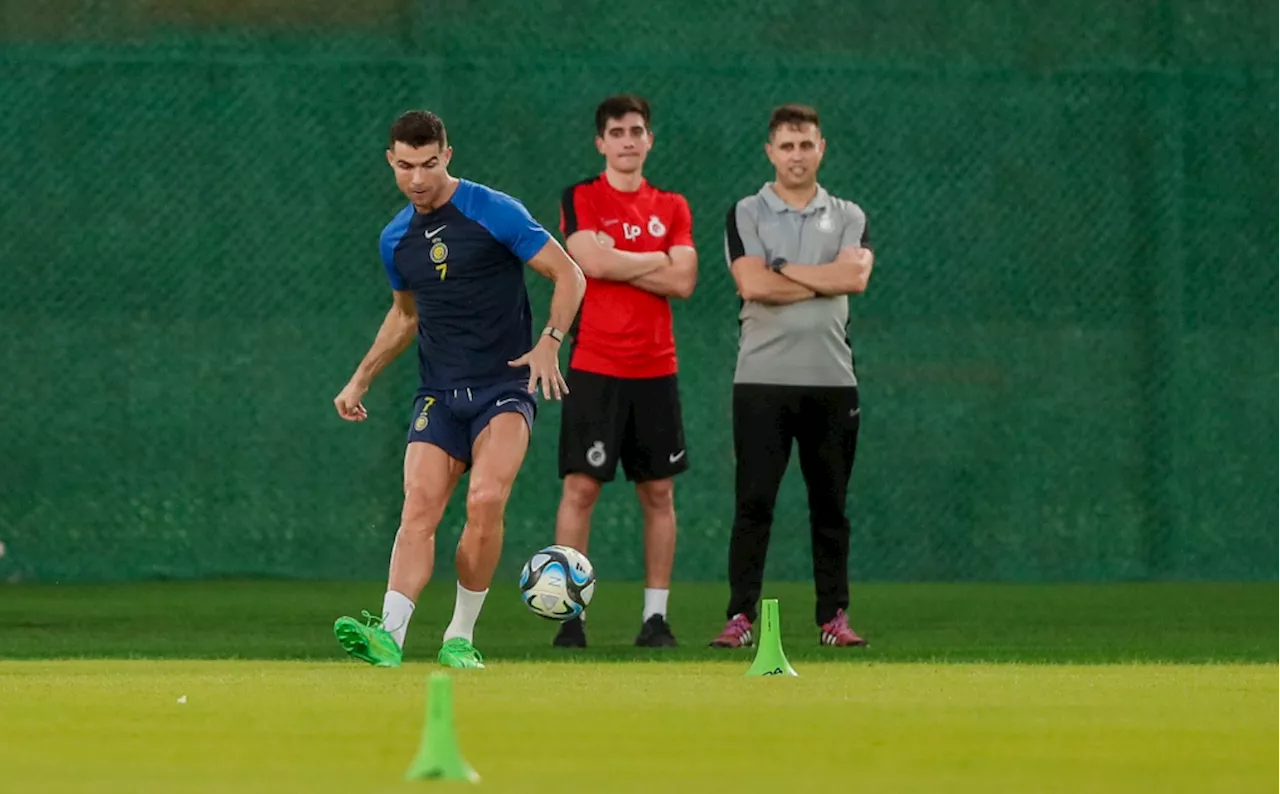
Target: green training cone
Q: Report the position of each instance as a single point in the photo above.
(438, 755)
(770, 660)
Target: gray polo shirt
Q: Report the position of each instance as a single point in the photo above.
(805, 343)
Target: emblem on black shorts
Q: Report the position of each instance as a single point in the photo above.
(420, 423)
(595, 455)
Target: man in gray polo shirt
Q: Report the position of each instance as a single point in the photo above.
(796, 253)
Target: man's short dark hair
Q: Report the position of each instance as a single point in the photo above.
(793, 116)
(615, 107)
(418, 128)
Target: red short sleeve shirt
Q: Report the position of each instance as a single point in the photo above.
(622, 330)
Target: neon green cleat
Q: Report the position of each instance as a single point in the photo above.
(460, 654)
(368, 642)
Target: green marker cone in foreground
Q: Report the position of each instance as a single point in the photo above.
(770, 660)
(438, 755)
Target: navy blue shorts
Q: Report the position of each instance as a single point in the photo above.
(452, 418)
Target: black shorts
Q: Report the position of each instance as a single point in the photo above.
(635, 420)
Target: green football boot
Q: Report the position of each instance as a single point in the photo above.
(461, 654)
(368, 642)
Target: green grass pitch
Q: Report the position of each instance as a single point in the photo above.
(1133, 688)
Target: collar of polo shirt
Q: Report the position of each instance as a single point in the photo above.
(820, 201)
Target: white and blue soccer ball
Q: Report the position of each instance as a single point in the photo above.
(557, 583)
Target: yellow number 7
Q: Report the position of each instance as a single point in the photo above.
(443, 267)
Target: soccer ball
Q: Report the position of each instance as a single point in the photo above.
(557, 583)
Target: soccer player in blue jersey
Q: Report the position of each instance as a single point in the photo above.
(454, 257)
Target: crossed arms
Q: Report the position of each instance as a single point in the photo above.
(757, 281)
(671, 274)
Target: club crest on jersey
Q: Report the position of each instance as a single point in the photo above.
(825, 224)
(655, 226)
(439, 252)
(604, 239)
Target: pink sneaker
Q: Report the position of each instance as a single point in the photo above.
(736, 633)
(837, 632)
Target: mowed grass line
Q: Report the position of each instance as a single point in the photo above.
(1200, 623)
(248, 726)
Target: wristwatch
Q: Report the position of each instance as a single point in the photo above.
(777, 263)
(554, 333)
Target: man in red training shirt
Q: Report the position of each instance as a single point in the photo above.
(634, 242)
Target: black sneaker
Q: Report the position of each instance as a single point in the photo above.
(572, 634)
(655, 633)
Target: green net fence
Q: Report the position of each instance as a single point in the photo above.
(1068, 353)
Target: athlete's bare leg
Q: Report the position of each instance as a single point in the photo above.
(430, 475)
(657, 502)
(573, 518)
(497, 454)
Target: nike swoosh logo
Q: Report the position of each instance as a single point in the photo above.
(434, 232)
(677, 456)
(508, 400)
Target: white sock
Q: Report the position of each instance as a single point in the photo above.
(396, 611)
(655, 602)
(465, 611)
